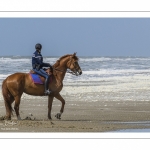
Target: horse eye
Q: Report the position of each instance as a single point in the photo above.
(75, 63)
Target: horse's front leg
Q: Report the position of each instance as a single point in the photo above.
(59, 97)
(50, 101)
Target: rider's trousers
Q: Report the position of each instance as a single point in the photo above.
(45, 75)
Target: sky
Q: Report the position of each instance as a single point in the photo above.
(86, 36)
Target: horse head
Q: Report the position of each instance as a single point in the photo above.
(73, 65)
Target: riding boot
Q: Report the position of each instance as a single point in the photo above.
(47, 92)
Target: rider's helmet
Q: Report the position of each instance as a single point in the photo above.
(38, 46)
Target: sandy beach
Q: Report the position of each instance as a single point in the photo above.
(115, 107)
(80, 117)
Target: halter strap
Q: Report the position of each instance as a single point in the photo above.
(71, 72)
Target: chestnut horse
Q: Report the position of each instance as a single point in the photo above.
(18, 83)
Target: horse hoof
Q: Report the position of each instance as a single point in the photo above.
(2, 118)
(49, 117)
(6, 118)
(58, 116)
(19, 118)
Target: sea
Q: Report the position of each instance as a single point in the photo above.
(100, 75)
(94, 68)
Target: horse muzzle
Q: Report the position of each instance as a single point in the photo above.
(79, 72)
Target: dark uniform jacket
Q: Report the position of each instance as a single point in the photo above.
(37, 61)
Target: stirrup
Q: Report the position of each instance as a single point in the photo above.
(47, 92)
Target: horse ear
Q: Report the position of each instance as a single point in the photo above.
(75, 54)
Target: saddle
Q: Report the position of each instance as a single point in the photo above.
(37, 79)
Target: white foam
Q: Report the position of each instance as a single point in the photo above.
(6, 60)
(95, 59)
(2, 76)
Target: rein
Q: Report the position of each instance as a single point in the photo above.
(71, 72)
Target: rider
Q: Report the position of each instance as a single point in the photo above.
(37, 64)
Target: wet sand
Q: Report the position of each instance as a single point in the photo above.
(79, 116)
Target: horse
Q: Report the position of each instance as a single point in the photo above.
(18, 83)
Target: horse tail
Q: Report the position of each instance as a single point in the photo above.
(8, 97)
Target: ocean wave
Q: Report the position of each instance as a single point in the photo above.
(3, 59)
(94, 59)
(94, 68)
(115, 71)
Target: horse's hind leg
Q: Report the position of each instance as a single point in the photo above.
(16, 106)
(8, 108)
(59, 97)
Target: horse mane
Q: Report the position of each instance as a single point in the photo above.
(75, 57)
(58, 61)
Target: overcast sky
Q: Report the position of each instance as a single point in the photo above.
(86, 36)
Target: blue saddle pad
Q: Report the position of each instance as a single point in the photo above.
(36, 79)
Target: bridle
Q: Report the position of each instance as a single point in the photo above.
(71, 72)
